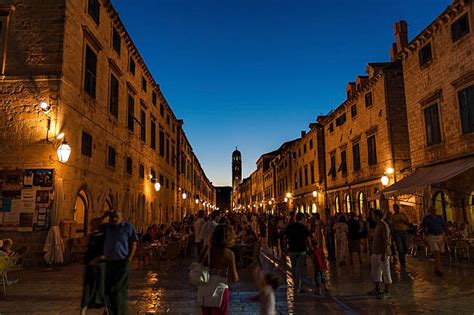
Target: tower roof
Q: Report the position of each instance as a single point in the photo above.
(236, 152)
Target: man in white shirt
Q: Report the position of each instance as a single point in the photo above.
(197, 225)
(208, 228)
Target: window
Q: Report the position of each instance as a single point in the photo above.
(162, 110)
(332, 170)
(368, 99)
(466, 107)
(343, 166)
(129, 165)
(356, 156)
(153, 98)
(152, 133)
(116, 40)
(459, 28)
(168, 120)
(111, 157)
(432, 129)
(142, 125)
(331, 127)
(131, 113)
(131, 66)
(114, 95)
(341, 120)
(311, 144)
(141, 171)
(90, 72)
(425, 54)
(311, 167)
(306, 175)
(353, 110)
(93, 8)
(304, 148)
(168, 155)
(371, 150)
(143, 84)
(86, 144)
(162, 142)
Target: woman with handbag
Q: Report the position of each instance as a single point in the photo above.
(213, 296)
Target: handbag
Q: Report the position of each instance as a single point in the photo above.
(198, 273)
(211, 294)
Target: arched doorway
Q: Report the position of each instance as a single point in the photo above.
(348, 203)
(337, 206)
(443, 205)
(376, 200)
(81, 211)
(362, 202)
(313, 208)
(471, 208)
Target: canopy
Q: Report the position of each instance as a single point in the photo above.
(425, 176)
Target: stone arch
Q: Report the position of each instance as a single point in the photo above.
(362, 203)
(82, 210)
(348, 202)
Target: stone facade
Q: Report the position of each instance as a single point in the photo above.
(438, 82)
(364, 137)
(50, 44)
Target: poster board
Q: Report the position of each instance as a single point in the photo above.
(26, 199)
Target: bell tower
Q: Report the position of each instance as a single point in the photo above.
(236, 169)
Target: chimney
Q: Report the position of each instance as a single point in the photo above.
(401, 34)
(303, 133)
(393, 52)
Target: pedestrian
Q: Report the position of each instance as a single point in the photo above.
(267, 285)
(281, 226)
(120, 245)
(371, 224)
(317, 228)
(93, 293)
(341, 231)
(320, 266)
(208, 228)
(380, 258)
(329, 234)
(354, 237)
(298, 240)
(400, 227)
(197, 225)
(220, 260)
(434, 227)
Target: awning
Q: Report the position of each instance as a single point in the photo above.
(423, 177)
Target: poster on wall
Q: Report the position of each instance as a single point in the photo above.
(28, 178)
(43, 178)
(25, 222)
(28, 203)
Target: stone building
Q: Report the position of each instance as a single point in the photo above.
(366, 138)
(308, 175)
(438, 67)
(72, 78)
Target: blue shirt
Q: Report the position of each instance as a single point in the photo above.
(118, 239)
(434, 225)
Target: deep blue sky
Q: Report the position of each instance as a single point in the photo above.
(254, 73)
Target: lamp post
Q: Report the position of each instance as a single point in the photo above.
(64, 151)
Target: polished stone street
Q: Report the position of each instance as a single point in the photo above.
(162, 288)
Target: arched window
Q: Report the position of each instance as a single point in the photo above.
(81, 210)
(376, 200)
(443, 205)
(313, 208)
(336, 204)
(348, 203)
(362, 201)
(108, 206)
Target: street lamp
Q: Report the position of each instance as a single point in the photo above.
(389, 170)
(64, 151)
(196, 200)
(315, 194)
(288, 195)
(286, 199)
(184, 196)
(384, 180)
(45, 107)
(157, 186)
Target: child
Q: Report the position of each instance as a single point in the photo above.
(320, 266)
(267, 285)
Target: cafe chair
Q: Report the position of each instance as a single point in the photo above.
(17, 261)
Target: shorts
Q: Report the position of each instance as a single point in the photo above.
(436, 243)
(354, 246)
(380, 269)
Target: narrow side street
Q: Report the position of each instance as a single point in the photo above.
(163, 289)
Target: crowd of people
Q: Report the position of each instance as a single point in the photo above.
(379, 239)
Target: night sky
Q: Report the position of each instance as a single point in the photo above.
(253, 74)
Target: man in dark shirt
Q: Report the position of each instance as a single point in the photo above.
(434, 226)
(298, 240)
(354, 236)
(119, 248)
